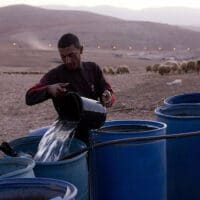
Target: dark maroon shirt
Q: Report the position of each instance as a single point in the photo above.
(88, 81)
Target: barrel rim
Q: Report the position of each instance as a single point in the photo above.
(30, 165)
(60, 162)
(132, 122)
(70, 195)
(167, 101)
(158, 113)
(35, 138)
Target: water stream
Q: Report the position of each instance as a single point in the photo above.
(55, 143)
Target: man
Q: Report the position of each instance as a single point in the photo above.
(85, 78)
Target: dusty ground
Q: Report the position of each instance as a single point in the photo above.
(137, 93)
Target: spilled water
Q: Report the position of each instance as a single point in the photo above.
(55, 144)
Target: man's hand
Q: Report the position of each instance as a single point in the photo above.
(58, 89)
(107, 98)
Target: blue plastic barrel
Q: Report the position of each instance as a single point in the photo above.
(74, 170)
(36, 188)
(16, 168)
(183, 155)
(189, 98)
(129, 170)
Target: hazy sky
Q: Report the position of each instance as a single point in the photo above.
(132, 4)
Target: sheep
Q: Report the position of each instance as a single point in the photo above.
(197, 67)
(118, 70)
(174, 65)
(183, 67)
(122, 69)
(111, 70)
(179, 70)
(148, 68)
(105, 70)
(155, 67)
(108, 70)
(191, 66)
(164, 69)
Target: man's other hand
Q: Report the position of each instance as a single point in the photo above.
(107, 98)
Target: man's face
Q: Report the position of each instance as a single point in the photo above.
(71, 56)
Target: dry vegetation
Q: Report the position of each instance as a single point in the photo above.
(138, 93)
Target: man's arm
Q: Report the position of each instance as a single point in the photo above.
(44, 90)
(108, 97)
(106, 93)
(38, 93)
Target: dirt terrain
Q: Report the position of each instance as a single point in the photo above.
(138, 93)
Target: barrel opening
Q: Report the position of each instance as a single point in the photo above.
(188, 98)
(181, 111)
(127, 128)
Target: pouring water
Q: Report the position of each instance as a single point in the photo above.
(55, 144)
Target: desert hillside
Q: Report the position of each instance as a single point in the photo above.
(28, 25)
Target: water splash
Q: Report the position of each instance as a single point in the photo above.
(55, 144)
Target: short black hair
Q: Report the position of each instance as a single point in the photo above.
(67, 40)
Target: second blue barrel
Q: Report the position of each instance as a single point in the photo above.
(185, 98)
(183, 154)
(129, 170)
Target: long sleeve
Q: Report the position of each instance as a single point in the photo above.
(37, 93)
(103, 84)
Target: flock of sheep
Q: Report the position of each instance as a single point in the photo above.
(122, 69)
(164, 68)
(175, 67)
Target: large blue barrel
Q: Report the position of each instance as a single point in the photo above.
(183, 163)
(74, 170)
(16, 168)
(187, 98)
(36, 188)
(129, 170)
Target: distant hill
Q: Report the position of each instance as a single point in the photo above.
(169, 15)
(37, 26)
